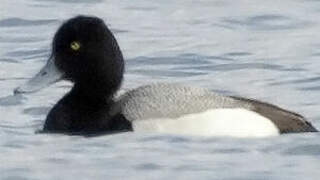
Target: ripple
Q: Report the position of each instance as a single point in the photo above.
(15, 178)
(175, 60)
(9, 60)
(26, 39)
(117, 31)
(28, 53)
(229, 151)
(18, 170)
(148, 166)
(235, 66)
(15, 78)
(73, 1)
(268, 22)
(13, 22)
(139, 8)
(35, 111)
(192, 168)
(153, 138)
(312, 88)
(310, 150)
(11, 100)
(238, 54)
(165, 73)
(14, 145)
(313, 80)
(55, 160)
(165, 138)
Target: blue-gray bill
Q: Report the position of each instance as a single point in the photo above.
(48, 75)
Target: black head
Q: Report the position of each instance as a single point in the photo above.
(86, 52)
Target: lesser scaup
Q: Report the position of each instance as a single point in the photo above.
(85, 52)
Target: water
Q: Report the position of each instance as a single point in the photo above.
(267, 50)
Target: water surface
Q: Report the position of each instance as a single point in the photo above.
(267, 50)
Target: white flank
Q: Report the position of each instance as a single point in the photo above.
(215, 122)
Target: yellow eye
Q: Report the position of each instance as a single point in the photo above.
(75, 45)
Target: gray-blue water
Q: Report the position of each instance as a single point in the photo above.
(269, 50)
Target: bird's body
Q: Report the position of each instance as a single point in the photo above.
(174, 102)
(85, 52)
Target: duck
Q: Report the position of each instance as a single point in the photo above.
(85, 52)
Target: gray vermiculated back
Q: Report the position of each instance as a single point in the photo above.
(171, 100)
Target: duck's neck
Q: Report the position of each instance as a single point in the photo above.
(94, 93)
(85, 110)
